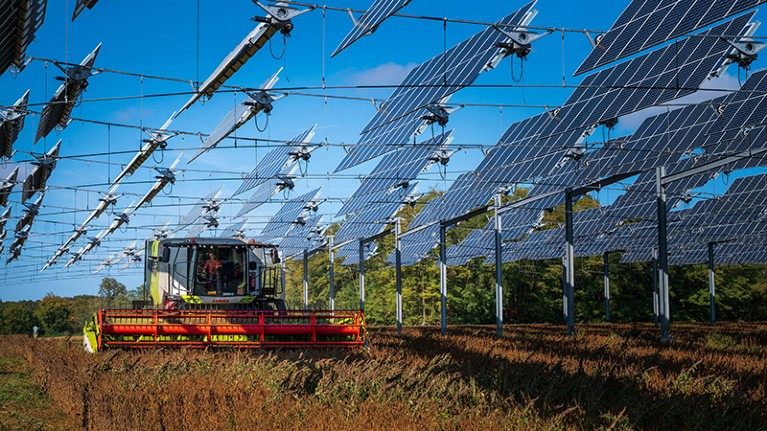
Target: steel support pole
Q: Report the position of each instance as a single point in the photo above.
(443, 277)
(665, 313)
(306, 280)
(607, 285)
(711, 286)
(564, 289)
(655, 311)
(498, 270)
(570, 265)
(331, 274)
(398, 271)
(362, 276)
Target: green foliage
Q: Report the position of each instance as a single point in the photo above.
(113, 292)
(17, 317)
(54, 313)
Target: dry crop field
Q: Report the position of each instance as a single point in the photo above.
(609, 377)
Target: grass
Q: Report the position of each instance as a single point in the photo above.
(23, 404)
(608, 377)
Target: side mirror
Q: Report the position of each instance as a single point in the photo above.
(165, 255)
(252, 266)
(276, 256)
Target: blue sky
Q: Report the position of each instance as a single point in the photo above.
(160, 39)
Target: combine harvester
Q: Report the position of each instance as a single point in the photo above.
(218, 293)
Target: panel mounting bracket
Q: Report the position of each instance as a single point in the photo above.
(260, 100)
(744, 51)
(594, 41)
(521, 41)
(280, 15)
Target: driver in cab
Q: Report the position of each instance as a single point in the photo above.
(212, 267)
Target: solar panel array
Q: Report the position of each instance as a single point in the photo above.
(38, 178)
(288, 215)
(515, 225)
(303, 237)
(647, 23)
(657, 77)
(396, 169)
(375, 217)
(430, 82)
(19, 21)
(6, 186)
(58, 109)
(11, 123)
(256, 102)
(379, 11)
(279, 158)
(282, 181)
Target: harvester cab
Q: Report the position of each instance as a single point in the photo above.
(214, 274)
(219, 293)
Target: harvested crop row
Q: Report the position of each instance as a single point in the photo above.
(611, 376)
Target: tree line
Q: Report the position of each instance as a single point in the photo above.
(56, 315)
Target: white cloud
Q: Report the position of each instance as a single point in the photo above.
(384, 74)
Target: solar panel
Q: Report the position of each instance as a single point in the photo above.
(57, 111)
(278, 19)
(398, 169)
(645, 24)
(31, 211)
(660, 140)
(289, 215)
(258, 101)
(6, 186)
(20, 237)
(383, 139)
(110, 198)
(19, 21)
(303, 237)
(350, 253)
(417, 246)
(127, 251)
(528, 159)
(374, 218)
(166, 176)
(741, 113)
(446, 73)
(157, 139)
(208, 204)
(279, 158)
(80, 6)
(368, 23)
(11, 123)
(235, 230)
(479, 243)
(466, 193)
(5, 217)
(537, 245)
(135, 259)
(208, 221)
(657, 77)
(516, 224)
(265, 191)
(38, 178)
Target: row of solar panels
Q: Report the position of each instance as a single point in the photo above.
(538, 150)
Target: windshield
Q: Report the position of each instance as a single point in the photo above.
(220, 271)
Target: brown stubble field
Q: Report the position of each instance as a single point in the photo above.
(535, 377)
